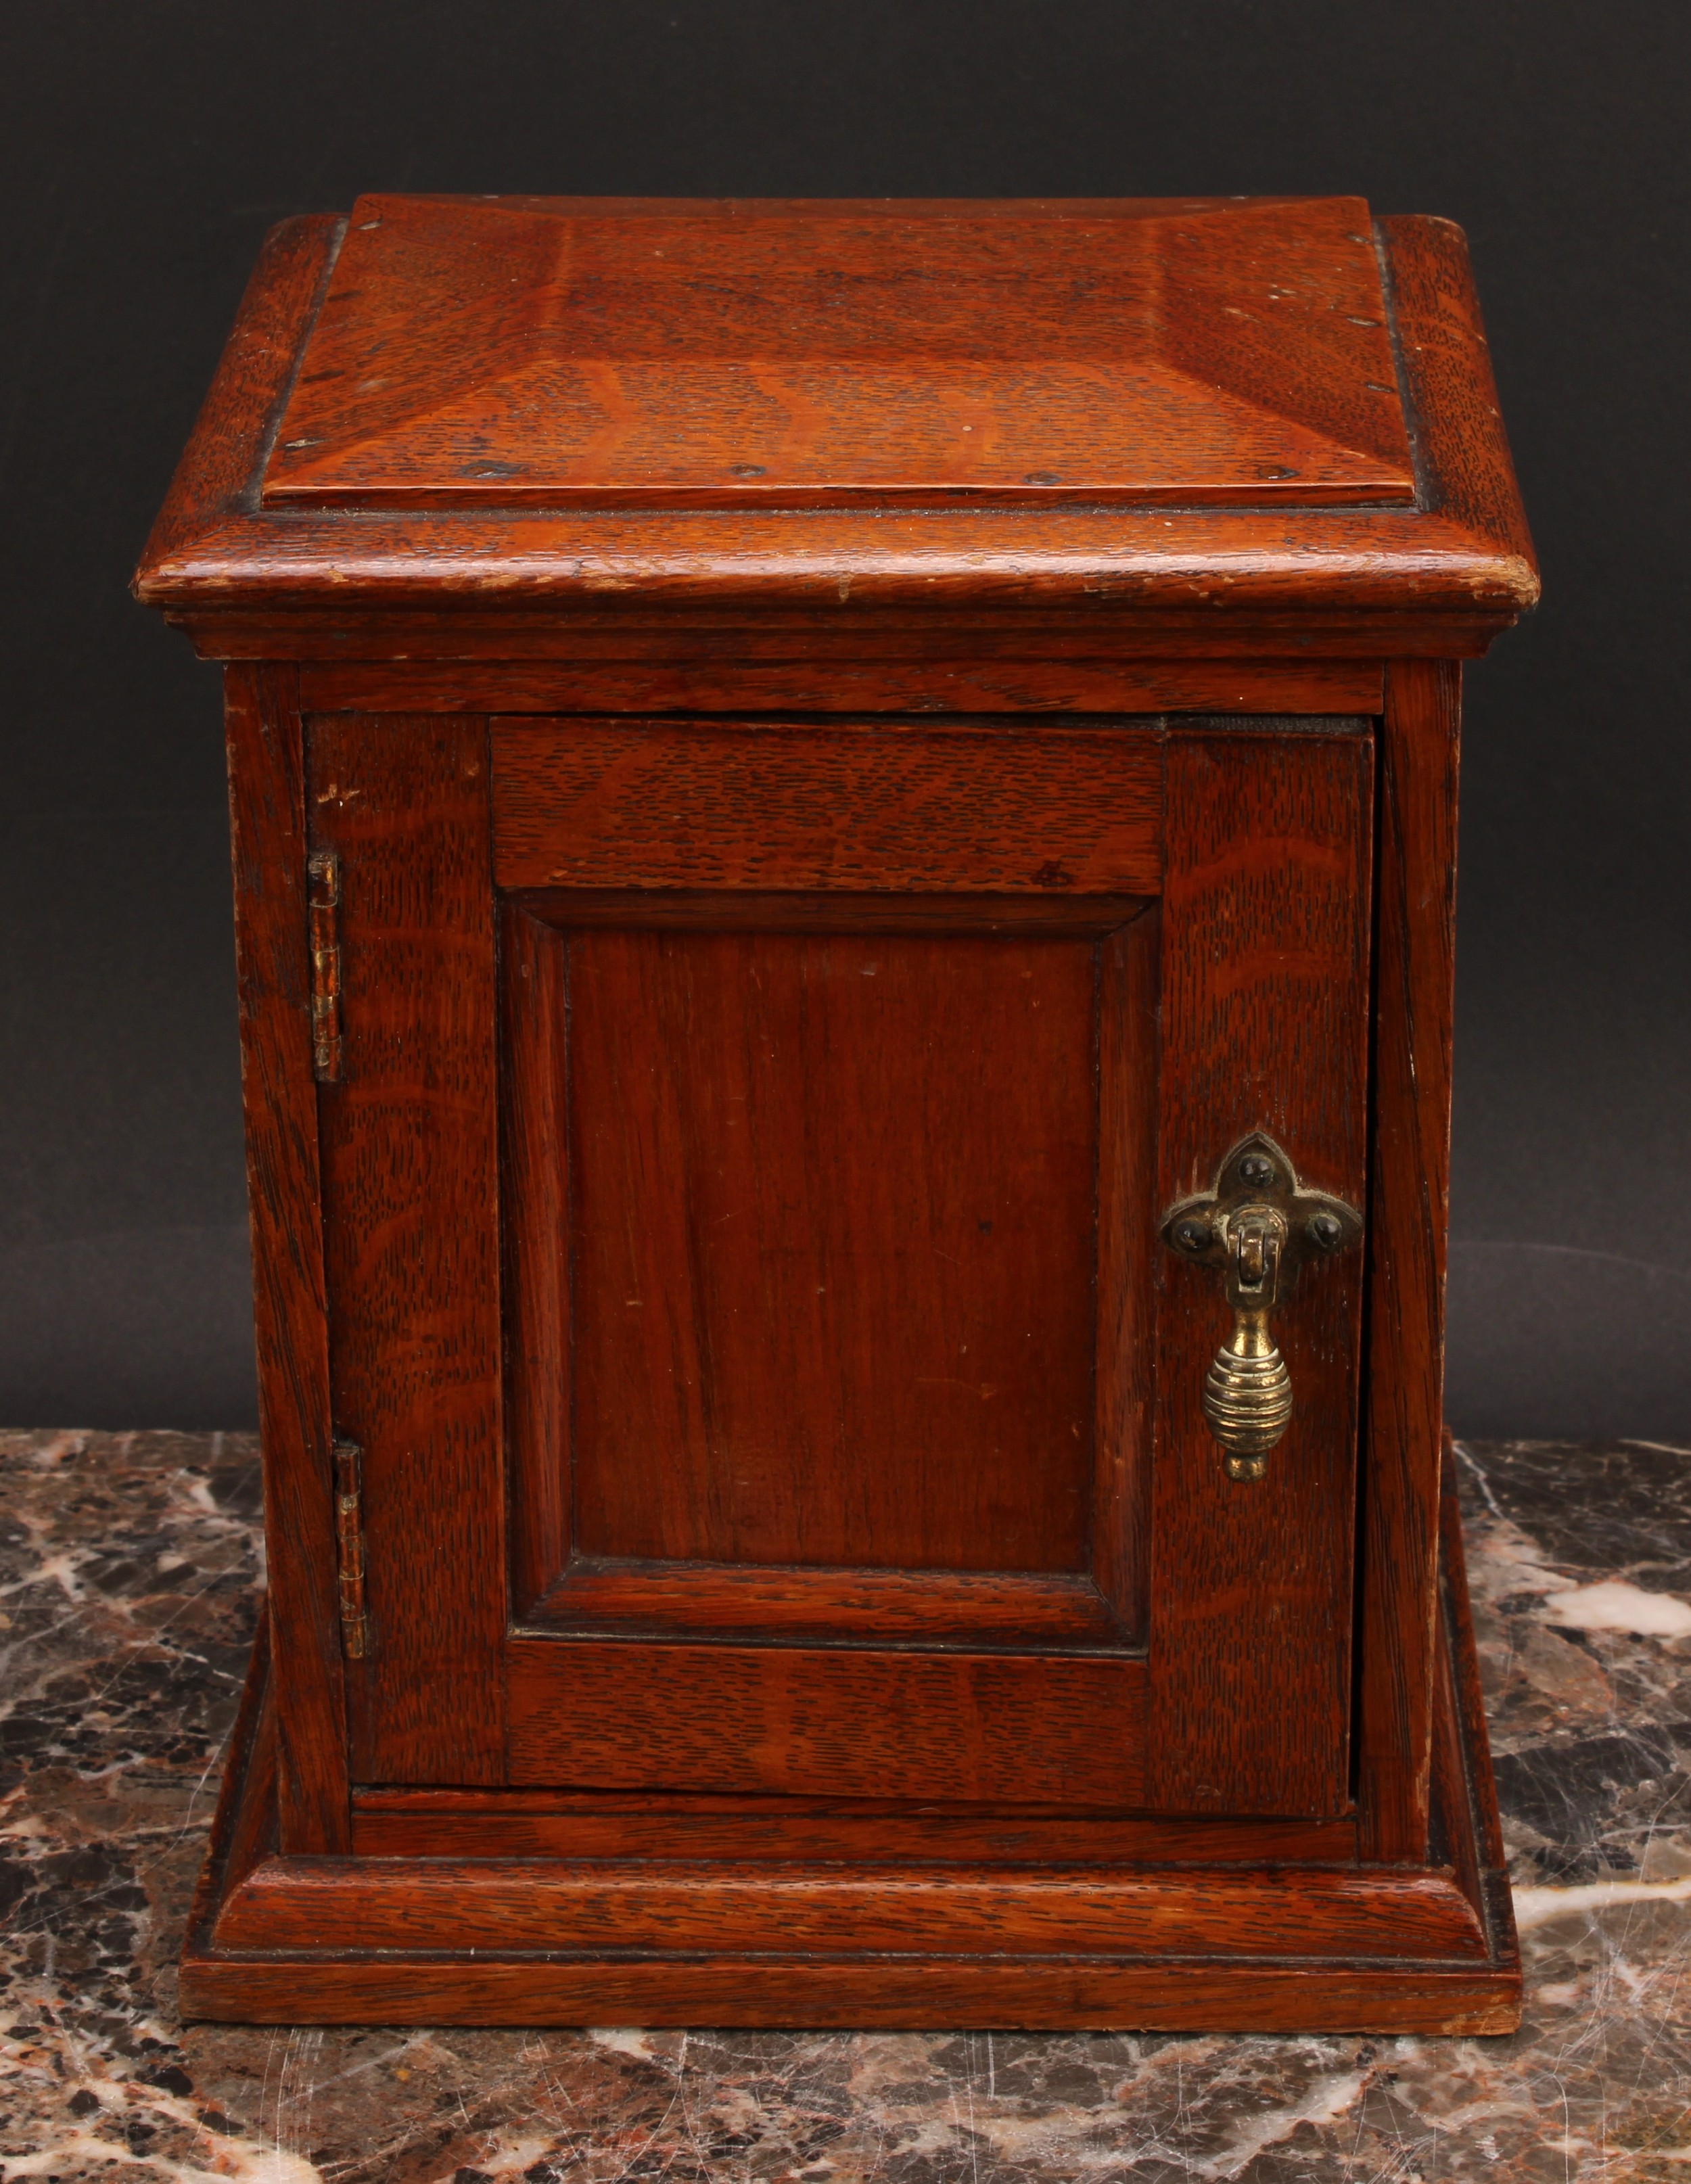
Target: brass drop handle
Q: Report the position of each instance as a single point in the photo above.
(1255, 1227)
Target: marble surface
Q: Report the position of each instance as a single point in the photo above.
(129, 1569)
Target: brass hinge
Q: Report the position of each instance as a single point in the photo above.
(323, 904)
(350, 1547)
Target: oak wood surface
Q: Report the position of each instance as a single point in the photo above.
(1183, 1986)
(708, 1423)
(1464, 1802)
(1460, 1698)
(409, 1151)
(863, 1468)
(619, 352)
(1467, 472)
(591, 1904)
(709, 913)
(246, 1820)
(833, 1240)
(612, 803)
(216, 480)
(745, 1356)
(253, 1832)
(1040, 1728)
(1050, 916)
(433, 1822)
(891, 1993)
(1461, 553)
(534, 1175)
(954, 1608)
(1265, 1009)
(1408, 1214)
(1129, 961)
(268, 835)
(838, 627)
(1458, 1848)
(702, 681)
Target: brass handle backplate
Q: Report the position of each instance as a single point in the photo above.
(1257, 1227)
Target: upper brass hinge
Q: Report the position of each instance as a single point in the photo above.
(323, 903)
(350, 1547)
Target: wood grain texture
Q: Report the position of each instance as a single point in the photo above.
(747, 829)
(1465, 1797)
(1414, 999)
(592, 803)
(956, 1609)
(218, 478)
(409, 1151)
(830, 628)
(1036, 1728)
(1049, 916)
(629, 1825)
(550, 352)
(1184, 1988)
(279, 1094)
(1265, 1013)
(1461, 555)
(1447, 371)
(534, 1193)
(888, 1993)
(451, 1904)
(720, 679)
(251, 1832)
(833, 1244)
(246, 1821)
(1125, 1361)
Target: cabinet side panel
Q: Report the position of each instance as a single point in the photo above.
(411, 1193)
(1265, 1016)
(267, 822)
(1411, 1181)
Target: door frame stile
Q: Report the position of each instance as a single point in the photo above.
(1264, 1027)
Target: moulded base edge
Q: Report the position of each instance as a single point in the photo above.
(1183, 1948)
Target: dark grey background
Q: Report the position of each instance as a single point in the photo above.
(150, 147)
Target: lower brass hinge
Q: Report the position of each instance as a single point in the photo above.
(323, 908)
(350, 1547)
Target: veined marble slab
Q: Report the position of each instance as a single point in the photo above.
(130, 1572)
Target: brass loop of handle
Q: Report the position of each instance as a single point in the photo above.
(1255, 1228)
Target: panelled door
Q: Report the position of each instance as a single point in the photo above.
(745, 1172)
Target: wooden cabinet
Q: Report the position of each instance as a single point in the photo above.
(843, 828)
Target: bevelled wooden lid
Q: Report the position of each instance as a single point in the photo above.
(522, 351)
(1248, 405)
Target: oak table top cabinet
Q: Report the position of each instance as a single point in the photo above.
(842, 829)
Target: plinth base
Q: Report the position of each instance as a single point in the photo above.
(1170, 1943)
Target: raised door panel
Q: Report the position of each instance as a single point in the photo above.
(832, 1243)
(806, 1411)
